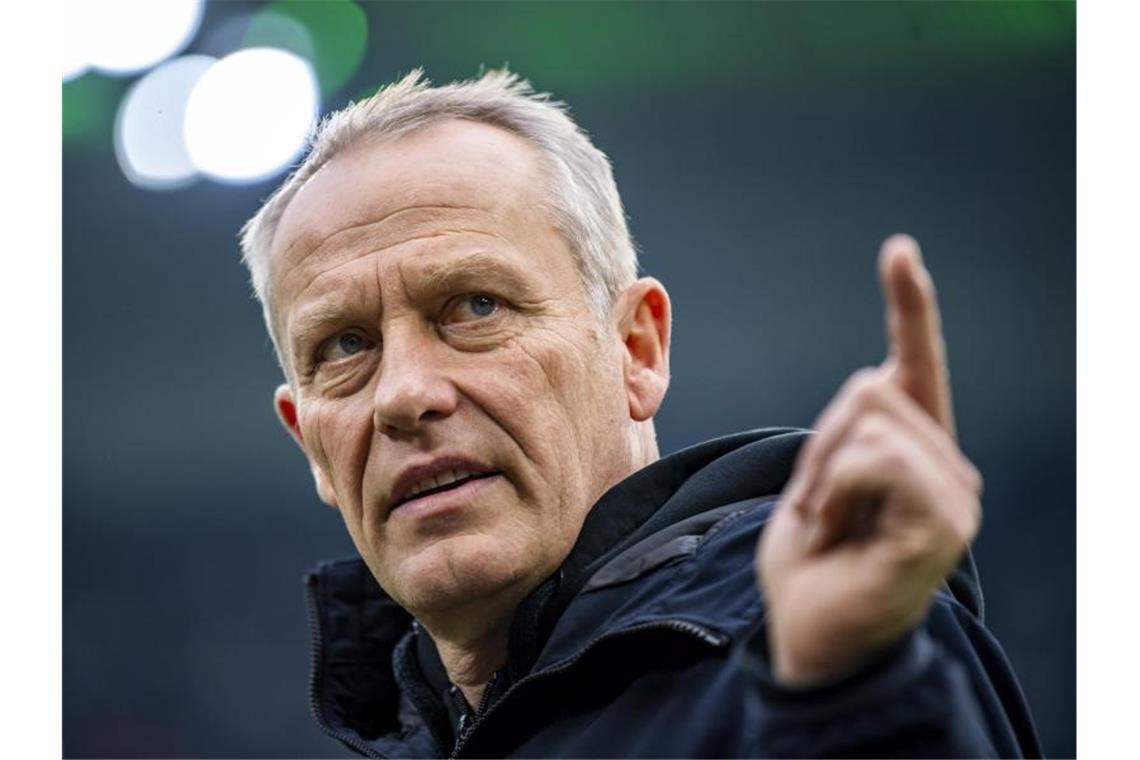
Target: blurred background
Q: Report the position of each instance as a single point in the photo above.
(763, 152)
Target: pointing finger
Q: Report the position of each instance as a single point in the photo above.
(914, 328)
(871, 399)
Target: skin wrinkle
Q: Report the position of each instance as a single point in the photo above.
(474, 266)
(586, 364)
(439, 276)
(319, 275)
(346, 384)
(325, 245)
(550, 385)
(362, 226)
(320, 454)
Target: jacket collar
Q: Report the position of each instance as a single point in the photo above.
(689, 482)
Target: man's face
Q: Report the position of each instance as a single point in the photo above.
(458, 399)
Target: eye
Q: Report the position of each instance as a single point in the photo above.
(472, 307)
(344, 345)
(482, 306)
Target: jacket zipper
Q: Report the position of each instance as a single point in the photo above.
(467, 720)
(316, 672)
(711, 638)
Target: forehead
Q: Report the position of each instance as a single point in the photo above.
(469, 174)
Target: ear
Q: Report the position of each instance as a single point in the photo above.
(644, 316)
(287, 412)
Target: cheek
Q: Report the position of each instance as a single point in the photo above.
(560, 400)
(580, 381)
(543, 389)
(339, 433)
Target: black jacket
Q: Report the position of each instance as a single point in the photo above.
(649, 642)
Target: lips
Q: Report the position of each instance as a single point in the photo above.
(438, 475)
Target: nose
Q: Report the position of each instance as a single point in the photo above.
(412, 388)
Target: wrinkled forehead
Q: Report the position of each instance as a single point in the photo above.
(459, 170)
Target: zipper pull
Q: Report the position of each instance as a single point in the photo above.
(461, 734)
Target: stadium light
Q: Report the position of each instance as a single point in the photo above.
(249, 114)
(148, 127)
(121, 37)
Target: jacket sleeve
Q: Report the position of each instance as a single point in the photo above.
(945, 689)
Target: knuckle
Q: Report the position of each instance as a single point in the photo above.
(973, 515)
(861, 383)
(972, 477)
(869, 388)
(961, 523)
(977, 482)
(912, 549)
(872, 429)
(894, 460)
(891, 461)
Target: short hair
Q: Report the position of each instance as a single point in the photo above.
(584, 200)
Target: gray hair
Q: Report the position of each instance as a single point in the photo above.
(584, 200)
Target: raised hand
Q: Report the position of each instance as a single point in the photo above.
(881, 504)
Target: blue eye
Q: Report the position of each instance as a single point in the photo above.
(344, 345)
(476, 307)
(350, 343)
(482, 306)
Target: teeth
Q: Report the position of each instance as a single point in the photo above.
(442, 479)
(422, 486)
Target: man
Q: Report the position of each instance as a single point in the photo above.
(472, 371)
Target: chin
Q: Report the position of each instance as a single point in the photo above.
(461, 570)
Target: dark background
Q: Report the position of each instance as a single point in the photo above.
(763, 152)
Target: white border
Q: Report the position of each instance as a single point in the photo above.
(30, 381)
(1108, 376)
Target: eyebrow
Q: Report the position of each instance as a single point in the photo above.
(435, 277)
(446, 274)
(312, 318)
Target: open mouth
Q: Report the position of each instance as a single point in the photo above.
(448, 481)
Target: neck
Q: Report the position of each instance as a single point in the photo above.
(470, 660)
(472, 643)
(643, 445)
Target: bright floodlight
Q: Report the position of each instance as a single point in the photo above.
(127, 36)
(250, 113)
(148, 127)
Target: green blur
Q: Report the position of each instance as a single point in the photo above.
(332, 35)
(612, 46)
(89, 106)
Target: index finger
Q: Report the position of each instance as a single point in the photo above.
(914, 327)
